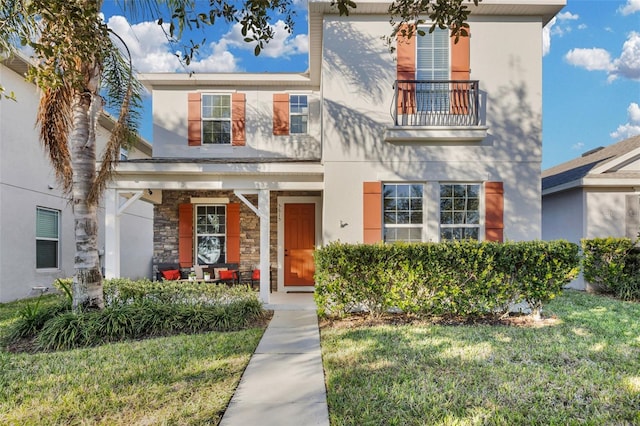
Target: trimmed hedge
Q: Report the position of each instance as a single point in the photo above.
(451, 278)
(612, 266)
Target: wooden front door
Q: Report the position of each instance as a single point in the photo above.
(299, 243)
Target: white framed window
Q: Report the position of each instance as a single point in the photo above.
(47, 238)
(210, 230)
(216, 119)
(432, 64)
(124, 154)
(403, 212)
(298, 114)
(459, 211)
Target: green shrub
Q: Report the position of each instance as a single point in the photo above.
(456, 278)
(604, 261)
(33, 316)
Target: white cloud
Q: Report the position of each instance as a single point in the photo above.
(597, 59)
(577, 146)
(582, 27)
(628, 64)
(281, 46)
(567, 16)
(632, 127)
(594, 59)
(632, 6)
(147, 44)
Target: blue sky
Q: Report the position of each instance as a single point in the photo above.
(591, 68)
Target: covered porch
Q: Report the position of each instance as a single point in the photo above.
(258, 215)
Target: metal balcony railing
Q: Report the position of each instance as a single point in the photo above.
(436, 103)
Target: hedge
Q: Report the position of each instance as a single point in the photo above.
(612, 266)
(457, 278)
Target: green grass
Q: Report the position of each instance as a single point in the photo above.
(183, 379)
(584, 368)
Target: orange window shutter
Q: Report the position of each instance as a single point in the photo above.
(233, 233)
(185, 235)
(238, 101)
(280, 114)
(372, 212)
(194, 119)
(461, 57)
(494, 211)
(406, 70)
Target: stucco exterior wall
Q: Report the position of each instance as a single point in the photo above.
(170, 127)
(358, 74)
(27, 182)
(605, 215)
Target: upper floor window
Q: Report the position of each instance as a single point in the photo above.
(459, 211)
(47, 238)
(124, 154)
(299, 113)
(432, 55)
(210, 234)
(216, 119)
(403, 212)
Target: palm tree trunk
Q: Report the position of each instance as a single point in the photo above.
(87, 282)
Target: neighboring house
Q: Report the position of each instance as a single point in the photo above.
(436, 141)
(593, 196)
(36, 221)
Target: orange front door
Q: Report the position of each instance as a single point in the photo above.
(299, 243)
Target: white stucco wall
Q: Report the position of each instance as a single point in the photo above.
(605, 212)
(27, 182)
(358, 74)
(170, 127)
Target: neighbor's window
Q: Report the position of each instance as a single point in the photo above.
(216, 119)
(210, 234)
(459, 211)
(403, 212)
(298, 113)
(47, 238)
(124, 154)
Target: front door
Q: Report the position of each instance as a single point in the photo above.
(299, 243)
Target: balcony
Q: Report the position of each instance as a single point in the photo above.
(444, 110)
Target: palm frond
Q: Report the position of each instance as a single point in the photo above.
(54, 118)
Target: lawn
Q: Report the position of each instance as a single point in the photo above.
(183, 379)
(582, 367)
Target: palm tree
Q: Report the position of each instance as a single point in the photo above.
(77, 61)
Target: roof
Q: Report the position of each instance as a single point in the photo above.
(592, 164)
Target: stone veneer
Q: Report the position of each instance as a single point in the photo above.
(165, 226)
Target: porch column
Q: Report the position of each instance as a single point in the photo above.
(265, 273)
(111, 235)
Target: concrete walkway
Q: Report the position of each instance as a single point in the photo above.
(284, 381)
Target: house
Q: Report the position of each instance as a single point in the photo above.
(438, 140)
(593, 196)
(36, 221)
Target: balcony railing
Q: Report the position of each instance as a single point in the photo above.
(436, 103)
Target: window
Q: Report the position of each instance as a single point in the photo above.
(299, 113)
(210, 234)
(459, 211)
(216, 119)
(47, 238)
(403, 212)
(124, 154)
(432, 64)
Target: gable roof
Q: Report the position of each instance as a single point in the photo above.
(590, 164)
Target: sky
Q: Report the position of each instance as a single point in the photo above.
(591, 67)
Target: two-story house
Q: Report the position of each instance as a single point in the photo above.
(37, 243)
(437, 141)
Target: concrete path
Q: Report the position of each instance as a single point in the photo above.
(284, 381)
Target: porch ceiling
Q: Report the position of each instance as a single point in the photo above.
(202, 174)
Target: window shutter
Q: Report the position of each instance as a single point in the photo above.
(494, 211)
(238, 135)
(461, 58)
(372, 212)
(280, 114)
(194, 119)
(406, 70)
(185, 235)
(233, 233)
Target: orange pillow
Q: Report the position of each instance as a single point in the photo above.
(256, 274)
(227, 275)
(171, 274)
